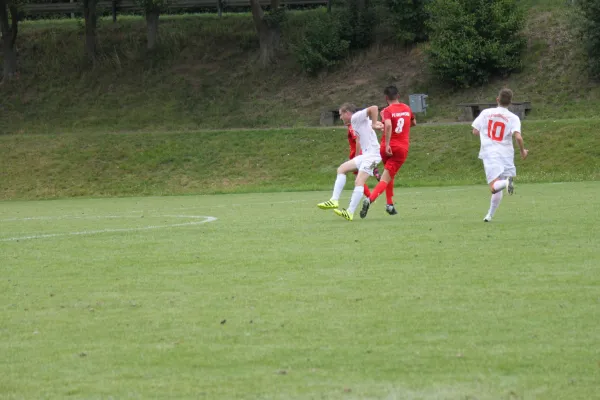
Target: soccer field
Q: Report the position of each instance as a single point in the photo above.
(265, 296)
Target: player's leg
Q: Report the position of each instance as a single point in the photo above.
(367, 191)
(496, 181)
(377, 191)
(496, 169)
(511, 186)
(340, 182)
(389, 198)
(365, 169)
(379, 188)
(392, 165)
(357, 194)
(494, 203)
(511, 171)
(499, 184)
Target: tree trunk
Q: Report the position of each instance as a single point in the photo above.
(10, 62)
(268, 36)
(89, 14)
(269, 43)
(152, 27)
(9, 38)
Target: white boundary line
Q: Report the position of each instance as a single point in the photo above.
(59, 217)
(205, 219)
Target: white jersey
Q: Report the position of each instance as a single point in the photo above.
(363, 127)
(496, 127)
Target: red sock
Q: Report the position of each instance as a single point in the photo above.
(367, 191)
(389, 192)
(380, 188)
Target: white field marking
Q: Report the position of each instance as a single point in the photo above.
(68, 217)
(235, 205)
(59, 217)
(205, 219)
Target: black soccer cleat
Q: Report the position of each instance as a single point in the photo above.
(365, 207)
(390, 209)
(511, 187)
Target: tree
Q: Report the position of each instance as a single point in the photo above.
(152, 10)
(9, 25)
(409, 19)
(590, 13)
(472, 40)
(89, 14)
(358, 19)
(268, 27)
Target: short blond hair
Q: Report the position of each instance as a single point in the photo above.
(505, 97)
(348, 107)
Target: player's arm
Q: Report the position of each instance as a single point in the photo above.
(477, 123)
(413, 120)
(519, 138)
(386, 116)
(373, 112)
(358, 149)
(388, 131)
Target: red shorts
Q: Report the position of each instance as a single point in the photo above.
(394, 163)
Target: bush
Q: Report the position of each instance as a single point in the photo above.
(322, 45)
(590, 13)
(472, 40)
(409, 19)
(357, 19)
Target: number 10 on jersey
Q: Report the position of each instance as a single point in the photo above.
(496, 130)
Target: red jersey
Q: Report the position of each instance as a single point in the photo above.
(401, 116)
(352, 142)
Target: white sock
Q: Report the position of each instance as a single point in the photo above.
(496, 199)
(356, 196)
(499, 185)
(340, 182)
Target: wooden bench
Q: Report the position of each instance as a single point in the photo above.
(472, 110)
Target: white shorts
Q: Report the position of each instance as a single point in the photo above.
(499, 167)
(367, 162)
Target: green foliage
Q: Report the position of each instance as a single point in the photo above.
(358, 19)
(472, 40)
(590, 12)
(275, 18)
(409, 19)
(322, 45)
(327, 38)
(153, 5)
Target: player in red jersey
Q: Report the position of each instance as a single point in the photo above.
(352, 143)
(398, 119)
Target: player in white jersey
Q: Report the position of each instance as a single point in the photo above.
(496, 128)
(364, 122)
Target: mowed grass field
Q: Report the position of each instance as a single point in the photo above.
(264, 296)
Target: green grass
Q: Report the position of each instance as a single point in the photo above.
(204, 162)
(277, 299)
(183, 85)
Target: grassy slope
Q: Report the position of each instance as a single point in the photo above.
(186, 85)
(47, 166)
(457, 310)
